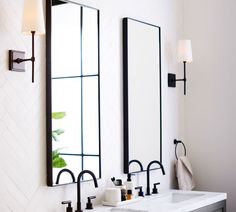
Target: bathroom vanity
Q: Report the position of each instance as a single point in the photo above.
(175, 201)
(73, 121)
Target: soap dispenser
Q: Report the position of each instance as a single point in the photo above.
(129, 183)
(69, 208)
(129, 186)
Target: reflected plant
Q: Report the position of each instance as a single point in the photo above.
(57, 160)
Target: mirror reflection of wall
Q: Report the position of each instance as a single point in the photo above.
(142, 94)
(73, 91)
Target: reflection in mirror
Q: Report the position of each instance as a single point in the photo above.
(142, 94)
(73, 110)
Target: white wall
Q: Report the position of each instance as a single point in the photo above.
(22, 105)
(210, 104)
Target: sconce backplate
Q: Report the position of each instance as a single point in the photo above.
(171, 80)
(13, 65)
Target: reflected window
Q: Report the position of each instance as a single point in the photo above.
(74, 90)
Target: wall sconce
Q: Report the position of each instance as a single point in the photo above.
(185, 56)
(32, 24)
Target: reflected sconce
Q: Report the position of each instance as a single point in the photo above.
(184, 56)
(32, 24)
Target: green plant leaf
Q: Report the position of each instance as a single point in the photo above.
(54, 136)
(58, 131)
(58, 115)
(55, 154)
(58, 162)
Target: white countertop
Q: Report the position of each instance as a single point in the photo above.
(170, 200)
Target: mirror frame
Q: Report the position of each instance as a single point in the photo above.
(49, 92)
(125, 93)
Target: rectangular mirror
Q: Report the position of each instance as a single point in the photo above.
(142, 94)
(73, 94)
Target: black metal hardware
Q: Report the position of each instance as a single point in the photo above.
(78, 187)
(126, 89)
(13, 57)
(138, 162)
(113, 180)
(68, 171)
(140, 193)
(89, 205)
(117, 182)
(68, 203)
(172, 79)
(49, 4)
(176, 142)
(155, 190)
(148, 174)
(129, 175)
(58, 2)
(21, 60)
(185, 78)
(32, 59)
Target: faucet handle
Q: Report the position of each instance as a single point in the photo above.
(140, 193)
(155, 190)
(68, 203)
(89, 205)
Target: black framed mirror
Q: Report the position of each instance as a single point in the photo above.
(73, 91)
(142, 94)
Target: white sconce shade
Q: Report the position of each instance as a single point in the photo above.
(184, 56)
(32, 23)
(185, 51)
(33, 18)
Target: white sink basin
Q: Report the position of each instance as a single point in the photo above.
(180, 197)
(170, 198)
(127, 210)
(173, 201)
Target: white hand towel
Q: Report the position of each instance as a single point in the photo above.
(184, 173)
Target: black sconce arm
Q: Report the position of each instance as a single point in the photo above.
(19, 60)
(13, 61)
(172, 79)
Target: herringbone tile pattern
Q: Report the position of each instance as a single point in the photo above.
(22, 124)
(22, 120)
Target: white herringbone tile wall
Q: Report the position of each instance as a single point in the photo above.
(22, 104)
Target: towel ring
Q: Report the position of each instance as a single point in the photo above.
(176, 142)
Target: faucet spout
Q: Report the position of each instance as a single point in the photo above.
(138, 162)
(68, 171)
(79, 190)
(148, 174)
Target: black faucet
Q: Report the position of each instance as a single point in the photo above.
(148, 174)
(78, 187)
(68, 171)
(138, 162)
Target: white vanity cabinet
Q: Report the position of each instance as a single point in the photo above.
(216, 207)
(175, 201)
